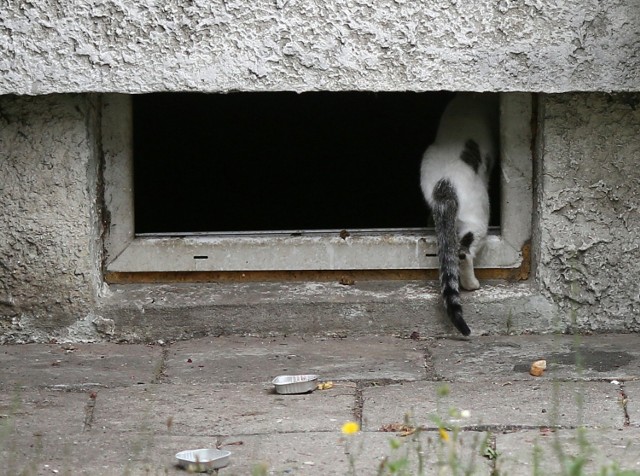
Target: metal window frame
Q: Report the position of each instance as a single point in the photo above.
(126, 252)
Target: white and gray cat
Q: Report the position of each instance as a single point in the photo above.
(454, 177)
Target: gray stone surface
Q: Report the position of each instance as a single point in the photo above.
(281, 453)
(78, 366)
(93, 454)
(293, 453)
(496, 403)
(253, 359)
(329, 453)
(600, 449)
(149, 312)
(137, 428)
(43, 412)
(222, 409)
(265, 45)
(509, 358)
(50, 250)
(588, 226)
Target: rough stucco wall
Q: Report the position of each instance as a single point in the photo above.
(49, 239)
(589, 202)
(131, 47)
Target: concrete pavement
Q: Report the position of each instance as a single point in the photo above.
(128, 408)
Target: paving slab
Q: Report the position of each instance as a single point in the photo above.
(290, 453)
(43, 411)
(93, 454)
(596, 357)
(78, 366)
(38, 424)
(87, 413)
(500, 404)
(224, 409)
(309, 454)
(319, 454)
(251, 359)
(603, 448)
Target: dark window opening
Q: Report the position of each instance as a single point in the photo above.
(282, 161)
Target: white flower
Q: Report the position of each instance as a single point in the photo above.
(465, 413)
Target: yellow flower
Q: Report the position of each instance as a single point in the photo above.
(350, 427)
(444, 436)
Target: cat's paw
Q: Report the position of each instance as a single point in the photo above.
(470, 283)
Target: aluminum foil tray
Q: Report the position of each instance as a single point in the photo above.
(203, 460)
(291, 384)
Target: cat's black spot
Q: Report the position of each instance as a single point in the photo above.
(465, 244)
(466, 240)
(471, 155)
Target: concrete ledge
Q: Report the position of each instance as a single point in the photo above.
(145, 312)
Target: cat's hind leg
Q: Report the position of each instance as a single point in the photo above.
(468, 248)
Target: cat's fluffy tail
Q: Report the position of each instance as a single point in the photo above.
(445, 214)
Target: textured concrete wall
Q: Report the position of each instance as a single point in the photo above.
(589, 200)
(586, 225)
(148, 45)
(50, 253)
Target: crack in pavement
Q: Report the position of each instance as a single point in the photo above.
(89, 410)
(624, 400)
(159, 373)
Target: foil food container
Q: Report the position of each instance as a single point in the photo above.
(203, 460)
(291, 384)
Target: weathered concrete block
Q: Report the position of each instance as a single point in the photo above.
(81, 367)
(499, 403)
(214, 360)
(588, 199)
(50, 249)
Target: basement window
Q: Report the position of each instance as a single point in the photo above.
(280, 181)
